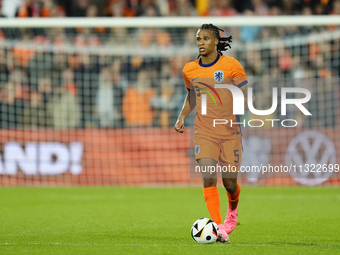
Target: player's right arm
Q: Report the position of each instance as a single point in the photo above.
(186, 109)
(188, 106)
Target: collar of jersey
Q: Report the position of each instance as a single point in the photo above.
(211, 64)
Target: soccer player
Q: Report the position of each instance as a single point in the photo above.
(215, 143)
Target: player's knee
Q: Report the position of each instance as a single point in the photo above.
(209, 182)
(230, 184)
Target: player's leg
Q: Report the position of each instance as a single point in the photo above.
(210, 192)
(233, 191)
(231, 161)
(211, 196)
(207, 151)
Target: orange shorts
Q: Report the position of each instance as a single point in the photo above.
(227, 152)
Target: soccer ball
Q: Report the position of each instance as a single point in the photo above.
(204, 230)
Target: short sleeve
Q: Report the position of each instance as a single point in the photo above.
(185, 78)
(238, 75)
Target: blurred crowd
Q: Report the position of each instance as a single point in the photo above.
(62, 88)
(151, 8)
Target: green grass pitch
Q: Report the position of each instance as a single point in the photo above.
(124, 220)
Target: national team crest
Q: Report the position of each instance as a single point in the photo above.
(219, 76)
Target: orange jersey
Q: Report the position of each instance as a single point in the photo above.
(201, 79)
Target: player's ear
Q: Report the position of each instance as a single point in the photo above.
(216, 42)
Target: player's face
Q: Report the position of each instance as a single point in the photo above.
(206, 42)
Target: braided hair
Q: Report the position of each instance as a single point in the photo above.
(223, 42)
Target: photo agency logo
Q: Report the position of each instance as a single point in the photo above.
(217, 92)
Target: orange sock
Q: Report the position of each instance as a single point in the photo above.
(233, 198)
(212, 200)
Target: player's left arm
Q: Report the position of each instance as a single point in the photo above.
(244, 90)
(240, 80)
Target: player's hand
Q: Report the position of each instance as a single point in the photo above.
(179, 126)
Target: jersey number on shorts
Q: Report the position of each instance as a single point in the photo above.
(236, 155)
